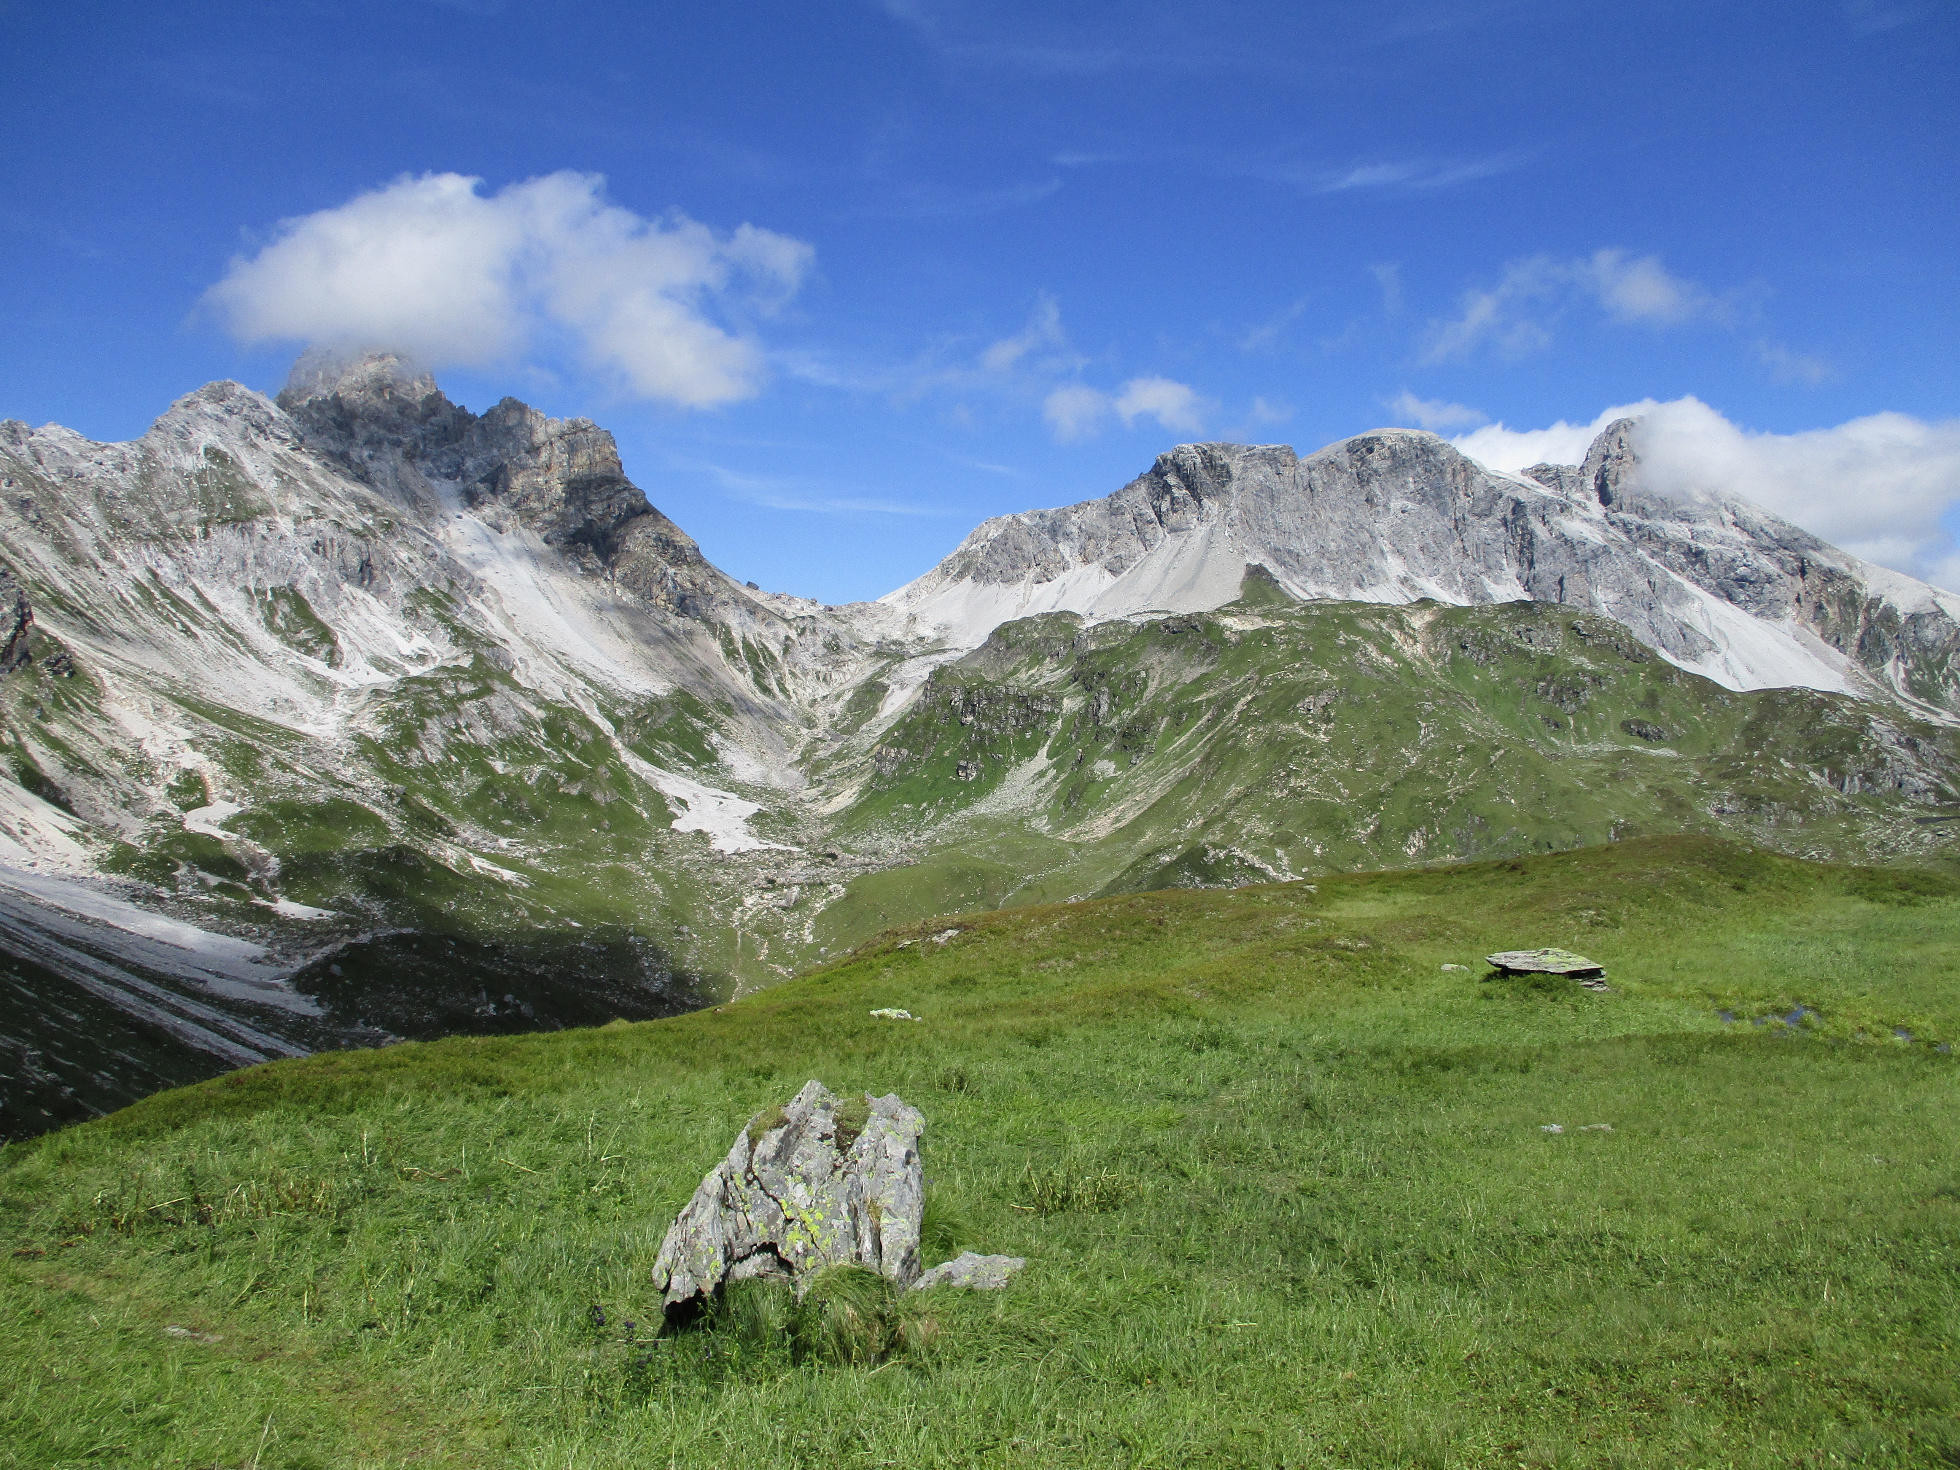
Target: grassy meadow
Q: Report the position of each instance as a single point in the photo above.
(1285, 1183)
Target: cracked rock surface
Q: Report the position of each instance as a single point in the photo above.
(822, 1182)
(975, 1272)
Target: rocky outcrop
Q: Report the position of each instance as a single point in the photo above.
(16, 623)
(822, 1182)
(1717, 585)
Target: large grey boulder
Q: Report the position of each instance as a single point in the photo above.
(822, 1182)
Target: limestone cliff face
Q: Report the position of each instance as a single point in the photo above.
(1717, 585)
(388, 425)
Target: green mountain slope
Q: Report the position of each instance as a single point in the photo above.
(1273, 739)
(1283, 1181)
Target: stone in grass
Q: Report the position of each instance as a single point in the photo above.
(976, 1273)
(892, 1013)
(821, 1182)
(1589, 973)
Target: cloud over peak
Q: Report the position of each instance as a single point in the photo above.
(1885, 487)
(436, 268)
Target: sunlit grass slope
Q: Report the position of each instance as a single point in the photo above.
(1284, 1184)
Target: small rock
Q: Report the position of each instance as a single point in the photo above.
(976, 1273)
(1552, 1127)
(1595, 1127)
(175, 1331)
(821, 1182)
(889, 1013)
(945, 934)
(1463, 969)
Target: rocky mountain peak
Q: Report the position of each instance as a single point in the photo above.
(358, 378)
(383, 419)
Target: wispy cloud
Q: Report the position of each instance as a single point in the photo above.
(1056, 51)
(1288, 166)
(1388, 276)
(1794, 367)
(1516, 315)
(786, 493)
(1405, 175)
(1076, 411)
(1433, 413)
(1520, 312)
(1044, 329)
(925, 199)
(1264, 336)
(435, 268)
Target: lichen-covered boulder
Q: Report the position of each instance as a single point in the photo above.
(821, 1182)
(976, 1273)
(1545, 962)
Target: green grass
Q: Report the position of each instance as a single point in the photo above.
(1283, 1183)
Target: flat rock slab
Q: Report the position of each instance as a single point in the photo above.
(821, 1182)
(976, 1273)
(1545, 962)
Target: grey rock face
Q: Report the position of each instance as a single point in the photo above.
(1715, 584)
(387, 424)
(16, 623)
(819, 1183)
(976, 1273)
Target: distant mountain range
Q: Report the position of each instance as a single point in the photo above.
(354, 714)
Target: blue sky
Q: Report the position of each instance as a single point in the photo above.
(1000, 255)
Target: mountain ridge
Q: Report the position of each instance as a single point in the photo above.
(1720, 587)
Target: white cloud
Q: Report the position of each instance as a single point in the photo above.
(1265, 411)
(1644, 290)
(1794, 367)
(1511, 450)
(1044, 329)
(1418, 175)
(1388, 276)
(1880, 487)
(1433, 413)
(433, 267)
(1077, 411)
(1516, 315)
(1174, 405)
(1267, 333)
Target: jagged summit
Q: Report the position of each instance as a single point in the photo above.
(354, 377)
(1716, 584)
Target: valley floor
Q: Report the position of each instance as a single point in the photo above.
(1289, 1189)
